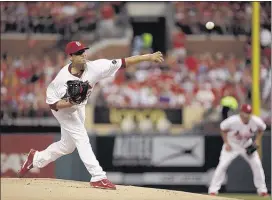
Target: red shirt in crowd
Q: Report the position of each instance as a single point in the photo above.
(107, 11)
(179, 40)
(192, 64)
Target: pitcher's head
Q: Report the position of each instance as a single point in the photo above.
(77, 52)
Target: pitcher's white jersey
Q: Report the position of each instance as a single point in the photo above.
(93, 73)
(240, 134)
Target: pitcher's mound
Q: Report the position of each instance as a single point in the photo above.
(55, 189)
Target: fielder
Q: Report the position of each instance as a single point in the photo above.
(67, 96)
(237, 133)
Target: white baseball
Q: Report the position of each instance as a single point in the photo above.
(209, 25)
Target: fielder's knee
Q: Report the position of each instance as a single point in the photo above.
(223, 165)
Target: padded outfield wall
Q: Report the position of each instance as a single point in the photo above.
(184, 162)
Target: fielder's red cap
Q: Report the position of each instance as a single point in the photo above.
(246, 108)
(74, 46)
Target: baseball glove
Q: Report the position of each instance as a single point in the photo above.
(251, 149)
(77, 91)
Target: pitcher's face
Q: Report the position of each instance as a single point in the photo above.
(79, 58)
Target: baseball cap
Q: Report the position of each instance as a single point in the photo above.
(246, 108)
(74, 46)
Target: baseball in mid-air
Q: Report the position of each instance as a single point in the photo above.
(209, 25)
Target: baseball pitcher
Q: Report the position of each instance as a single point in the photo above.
(237, 133)
(67, 96)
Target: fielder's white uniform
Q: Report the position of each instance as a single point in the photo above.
(239, 137)
(73, 132)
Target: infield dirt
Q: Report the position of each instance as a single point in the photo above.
(56, 189)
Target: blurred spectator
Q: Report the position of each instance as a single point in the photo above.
(229, 104)
(137, 45)
(191, 63)
(178, 44)
(107, 25)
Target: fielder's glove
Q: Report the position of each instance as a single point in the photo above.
(251, 149)
(77, 91)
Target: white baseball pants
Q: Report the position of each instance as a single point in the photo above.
(73, 135)
(226, 157)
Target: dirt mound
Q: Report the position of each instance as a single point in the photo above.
(55, 189)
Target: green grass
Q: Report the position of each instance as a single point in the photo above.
(245, 196)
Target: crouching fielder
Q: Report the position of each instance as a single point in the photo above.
(237, 132)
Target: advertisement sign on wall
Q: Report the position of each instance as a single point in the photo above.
(14, 150)
(159, 151)
(178, 152)
(160, 160)
(104, 115)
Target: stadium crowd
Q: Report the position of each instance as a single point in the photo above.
(183, 79)
(23, 84)
(65, 18)
(229, 17)
(201, 79)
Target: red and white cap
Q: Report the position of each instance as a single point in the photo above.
(246, 108)
(74, 46)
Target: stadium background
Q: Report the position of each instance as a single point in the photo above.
(146, 114)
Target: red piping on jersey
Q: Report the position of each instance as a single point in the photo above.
(53, 106)
(124, 65)
(70, 68)
(76, 75)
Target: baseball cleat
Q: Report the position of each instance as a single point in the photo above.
(213, 194)
(28, 164)
(103, 184)
(264, 194)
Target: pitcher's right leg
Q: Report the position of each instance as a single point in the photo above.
(63, 147)
(40, 159)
